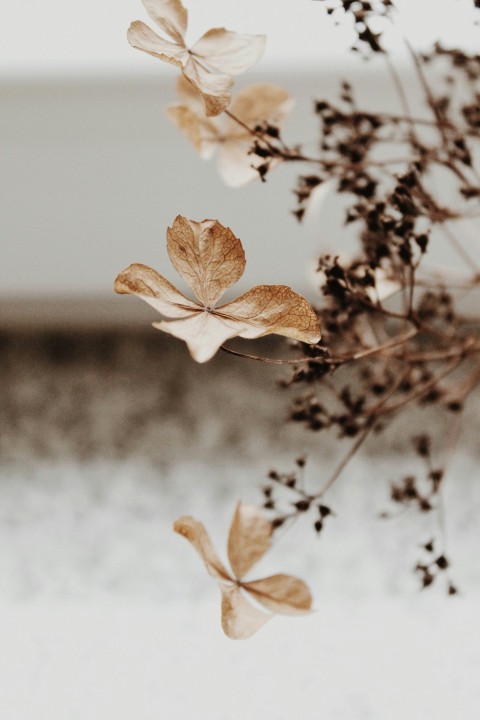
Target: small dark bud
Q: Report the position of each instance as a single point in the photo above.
(422, 242)
(422, 445)
(318, 526)
(262, 171)
(424, 505)
(277, 522)
(410, 487)
(324, 511)
(441, 562)
(302, 505)
(299, 214)
(436, 476)
(427, 579)
(272, 131)
(261, 151)
(429, 547)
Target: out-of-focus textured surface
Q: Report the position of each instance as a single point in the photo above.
(105, 439)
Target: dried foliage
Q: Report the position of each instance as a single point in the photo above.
(248, 541)
(393, 334)
(210, 259)
(263, 107)
(209, 64)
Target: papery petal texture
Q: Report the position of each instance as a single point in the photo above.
(203, 332)
(255, 105)
(229, 52)
(196, 534)
(214, 87)
(210, 63)
(170, 15)
(210, 258)
(283, 594)
(158, 292)
(203, 132)
(240, 619)
(259, 103)
(143, 38)
(276, 309)
(249, 538)
(207, 255)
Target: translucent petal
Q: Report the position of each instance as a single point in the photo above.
(158, 292)
(229, 52)
(196, 534)
(141, 37)
(202, 132)
(258, 104)
(170, 15)
(282, 594)
(235, 165)
(249, 538)
(215, 87)
(202, 331)
(240, 619)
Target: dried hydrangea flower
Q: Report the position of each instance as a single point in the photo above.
(256, 105)
(210, 64)
(211, 259)
(248, 540)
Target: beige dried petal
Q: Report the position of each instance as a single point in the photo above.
(190, 96)
(210, 258)
(249, 538)
(240, 619)
(141, 37)
(141, 280)
(282, 594)
(229, 52)
(170, 15)
(196, 534)
(257, 104)
(207, 255)
(203, 332)
(236, 166)
(202, 132)
(276, 309)
(214, 87)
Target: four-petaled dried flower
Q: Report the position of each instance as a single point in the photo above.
(210, 63)
(210, 259)
(249, 539)
(254, 106)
